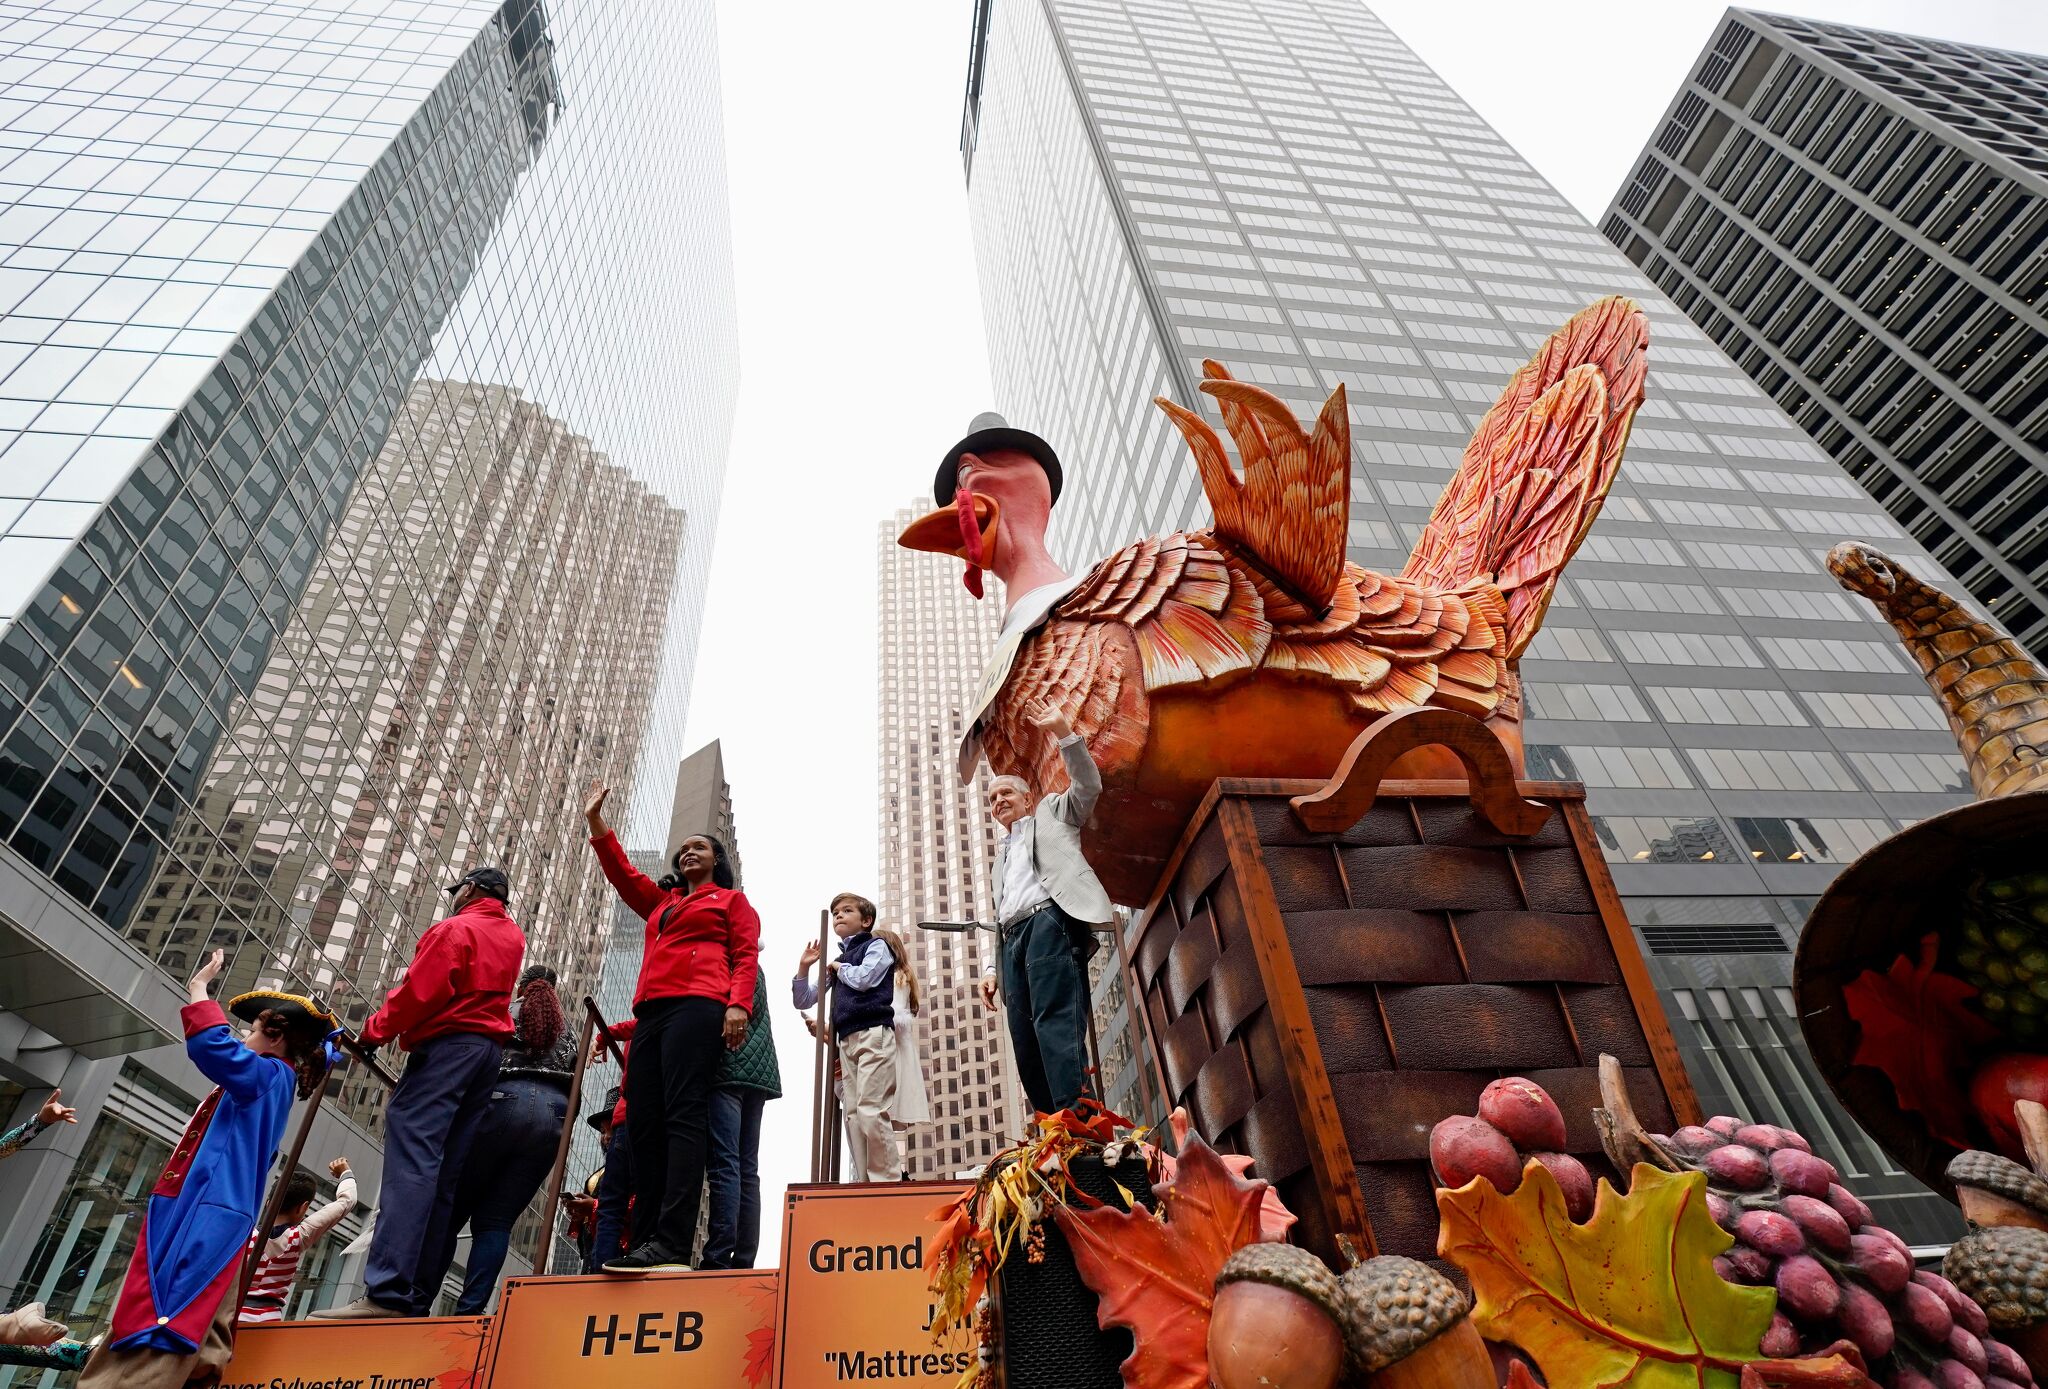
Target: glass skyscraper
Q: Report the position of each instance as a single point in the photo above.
(1283, 186)
(936, 850)
(1861, 220)
(366, 376)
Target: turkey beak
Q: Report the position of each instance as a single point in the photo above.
(939, 531)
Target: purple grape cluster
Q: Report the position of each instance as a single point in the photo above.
(1838, 1275)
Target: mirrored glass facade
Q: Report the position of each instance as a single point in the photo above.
(1284, 186)
(1861, 220)
(366, 377)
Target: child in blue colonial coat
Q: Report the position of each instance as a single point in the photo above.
(174, 1320)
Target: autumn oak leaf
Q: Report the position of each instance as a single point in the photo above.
(1917, 1033)
(1156, 1274)
(1628, 1300)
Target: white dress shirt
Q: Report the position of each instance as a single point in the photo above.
(1020, 889)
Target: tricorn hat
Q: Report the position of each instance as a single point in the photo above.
(598, 1118)
(991, 431)
(294, 1008)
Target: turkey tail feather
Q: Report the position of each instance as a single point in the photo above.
(1539, 466)
(1290, 511)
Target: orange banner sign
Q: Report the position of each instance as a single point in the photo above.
(855, 1306)
(427, 1353)
(715, 1329)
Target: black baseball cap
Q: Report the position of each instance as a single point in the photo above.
(488, 879)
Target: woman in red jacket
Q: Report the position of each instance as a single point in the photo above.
(695, 992)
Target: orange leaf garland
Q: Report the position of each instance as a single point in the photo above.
(1156, 1274)
(1916, 1031)
(1628, 1300)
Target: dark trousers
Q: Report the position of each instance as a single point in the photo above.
(513, 1153)
(429, 1127)
(735, 1235)
(678, 1045)
(1045, 991)
(614, 1199)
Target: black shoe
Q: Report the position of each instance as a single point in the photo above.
(651, 1257)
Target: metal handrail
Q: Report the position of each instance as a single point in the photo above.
(594, 1026)
(274, 1203)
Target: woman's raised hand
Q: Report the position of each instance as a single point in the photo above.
(593, 808)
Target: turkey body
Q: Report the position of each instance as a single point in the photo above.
(1183, 663)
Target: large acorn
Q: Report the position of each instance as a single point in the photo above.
(1275, 1322)
(1995, 1190)
(2004, 1270)
(1406, 1326)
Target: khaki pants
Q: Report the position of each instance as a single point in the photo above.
(164, 1369)
(868, 1066)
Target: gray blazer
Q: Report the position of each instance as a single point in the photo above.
(1052, 832)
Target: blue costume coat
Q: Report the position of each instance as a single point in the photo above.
(210, 1196)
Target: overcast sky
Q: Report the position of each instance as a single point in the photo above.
(863, 358)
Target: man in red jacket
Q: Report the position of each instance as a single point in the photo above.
(452, 1012)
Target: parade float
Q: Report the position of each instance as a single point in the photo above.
(1430, 1124)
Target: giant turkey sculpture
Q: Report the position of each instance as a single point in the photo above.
(1254, 648)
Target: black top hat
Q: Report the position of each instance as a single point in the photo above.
(598, 1118)
(293, 1008)
(488, 879)
(990, 431)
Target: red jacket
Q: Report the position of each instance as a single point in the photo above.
(702, 944)
(460, 980)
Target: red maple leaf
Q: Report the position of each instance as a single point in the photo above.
(452, 1337)
(1156, 1274)
(760, 1353)
(1917, 1032)
(760, 1295)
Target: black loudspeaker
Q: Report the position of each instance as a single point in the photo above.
(1045, 1331)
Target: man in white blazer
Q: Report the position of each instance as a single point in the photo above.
(1048, 904)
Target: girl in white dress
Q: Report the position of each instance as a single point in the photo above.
(912, 1107)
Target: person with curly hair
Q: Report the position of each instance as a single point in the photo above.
(516, 1139)
(173, 1321)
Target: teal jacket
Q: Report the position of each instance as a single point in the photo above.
(753, 1066)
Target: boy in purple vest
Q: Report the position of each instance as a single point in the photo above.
(862, 984)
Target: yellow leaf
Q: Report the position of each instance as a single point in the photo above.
(1628, 1300)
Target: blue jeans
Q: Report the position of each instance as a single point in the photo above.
(512, 1155)
(735, 1234)
(428, 1128)
(1045, 989)
(614, 1199)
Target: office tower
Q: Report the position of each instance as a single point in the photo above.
(1282, 185)
(1860, 220)
(703, 805)
(937, 848)
(264, 273)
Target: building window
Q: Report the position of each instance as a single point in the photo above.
(79, 1262)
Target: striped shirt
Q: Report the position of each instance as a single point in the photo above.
(272, 1286)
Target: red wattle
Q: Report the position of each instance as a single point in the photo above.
(970, 539)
